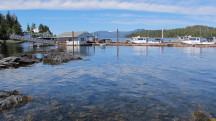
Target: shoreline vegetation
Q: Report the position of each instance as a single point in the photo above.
(9, 24)
(14, 41)
(196, 30)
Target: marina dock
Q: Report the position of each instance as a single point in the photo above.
(169, 44)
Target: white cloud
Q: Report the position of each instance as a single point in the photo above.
(117, 15)
(137, 5)
(153, 22)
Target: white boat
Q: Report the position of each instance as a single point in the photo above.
(154, 42)
(209, 41)
(103, 44)
(190, 40)
(157, 40)
(139, 40)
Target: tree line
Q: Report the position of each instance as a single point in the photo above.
(196, 31)
(42, 28)
(9, 24)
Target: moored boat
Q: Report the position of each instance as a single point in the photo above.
(139, 40)
(209, 41)
(190, 40)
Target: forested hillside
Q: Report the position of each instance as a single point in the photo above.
(197, 31)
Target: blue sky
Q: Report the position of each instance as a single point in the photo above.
(125, 15)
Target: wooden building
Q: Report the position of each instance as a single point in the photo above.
(74, 38)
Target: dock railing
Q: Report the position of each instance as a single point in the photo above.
(30, 39)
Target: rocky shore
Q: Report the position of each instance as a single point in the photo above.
(53, 57)
(18, 60)
(12, 99)
(56, 57)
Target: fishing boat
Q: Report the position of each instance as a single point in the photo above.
(209, 41)
(139, 40)
(157, 40)
(102, 44)
(190, 40)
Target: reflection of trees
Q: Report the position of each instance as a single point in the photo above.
(10, 49)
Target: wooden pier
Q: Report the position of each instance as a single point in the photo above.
(170, 44)
(34, 40)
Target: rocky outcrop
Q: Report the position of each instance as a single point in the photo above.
(12, 99)
(19, 60)
(56, 57)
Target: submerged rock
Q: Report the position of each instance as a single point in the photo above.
(12, 99)
(19, 60)
(200, 116)
(56, 57)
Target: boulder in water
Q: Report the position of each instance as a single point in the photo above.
(19, 60)
(56, 57)
(12, 99)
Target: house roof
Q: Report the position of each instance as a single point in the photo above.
(69, 34)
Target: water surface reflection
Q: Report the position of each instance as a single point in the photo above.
(117, 83)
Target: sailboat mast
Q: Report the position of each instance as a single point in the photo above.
(117, 35)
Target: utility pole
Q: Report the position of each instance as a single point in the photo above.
(117, 36)
(162, 35)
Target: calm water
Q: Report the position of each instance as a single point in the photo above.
(117, 83)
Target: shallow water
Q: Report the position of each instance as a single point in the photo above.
(117, 83)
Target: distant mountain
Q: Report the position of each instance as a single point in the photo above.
(197, 31)
(107, 34)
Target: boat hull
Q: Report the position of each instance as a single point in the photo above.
(208, 43)
(191, 42)
(138, 42)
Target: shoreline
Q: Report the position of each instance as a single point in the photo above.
(169, 44)
(13, 41)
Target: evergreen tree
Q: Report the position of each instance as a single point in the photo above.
(9, 20)
(9, 24)
(3, 28)
(41, 28)
(197, 30)
(46, 29)
(28, 28)
(33, 26)
(17, 28)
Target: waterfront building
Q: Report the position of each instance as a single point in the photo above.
(74, 38)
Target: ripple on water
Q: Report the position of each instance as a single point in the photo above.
(136, 84)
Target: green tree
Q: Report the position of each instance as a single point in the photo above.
(197, 30)
(28, 28)
(9, 24)
(33, 26)
(17, 28)
(3, 28)
(46, 29)
(41, 28)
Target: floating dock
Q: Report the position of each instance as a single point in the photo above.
(170, 44)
